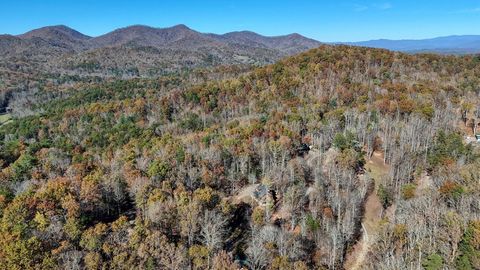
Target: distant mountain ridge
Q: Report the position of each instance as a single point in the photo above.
(178, 35)
(54, 32)
(291, 44)
(140, 50)
(459, 44)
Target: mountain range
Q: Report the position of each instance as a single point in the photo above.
(61, 38)
(179, 36)
(143, 51)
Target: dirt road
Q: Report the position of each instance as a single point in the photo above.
(376, 169)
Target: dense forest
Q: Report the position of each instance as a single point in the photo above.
(336, 158)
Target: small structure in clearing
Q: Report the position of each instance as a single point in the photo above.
(264, 196)
(257, 194)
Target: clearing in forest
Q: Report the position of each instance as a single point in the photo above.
(376, 170)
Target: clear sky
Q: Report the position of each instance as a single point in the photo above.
(324, 20)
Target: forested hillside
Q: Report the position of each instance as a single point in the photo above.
(60, 56)
(265, 169)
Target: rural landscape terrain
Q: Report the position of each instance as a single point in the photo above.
(168, 148)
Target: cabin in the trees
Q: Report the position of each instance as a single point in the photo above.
(264, 196)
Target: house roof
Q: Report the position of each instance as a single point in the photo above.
(260, 191)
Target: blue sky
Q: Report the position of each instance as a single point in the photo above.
(324, 20)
